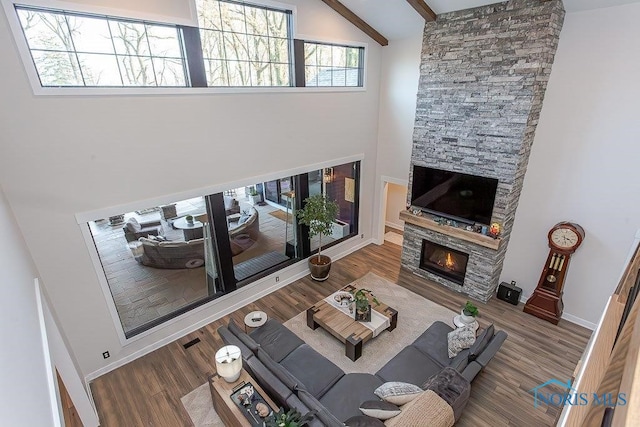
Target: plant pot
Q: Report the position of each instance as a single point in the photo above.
(319, 268)
(363, 316)
(466, 319)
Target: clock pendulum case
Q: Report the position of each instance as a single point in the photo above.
(546, 301)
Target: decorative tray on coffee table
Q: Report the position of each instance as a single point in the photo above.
(248, 399)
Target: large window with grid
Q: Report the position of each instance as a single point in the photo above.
(245, 45)
(333, 65)
(71, 49)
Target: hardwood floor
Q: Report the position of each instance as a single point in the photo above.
(147, 391)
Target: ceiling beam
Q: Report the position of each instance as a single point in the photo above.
(423, 9)
(355, 20)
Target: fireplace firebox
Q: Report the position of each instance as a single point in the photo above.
(443, 261)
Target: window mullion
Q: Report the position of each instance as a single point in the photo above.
(194, 56)
(299, 63)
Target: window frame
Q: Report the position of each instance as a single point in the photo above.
(107, 19)
(302, 67)
(188, 23)
(246, 290)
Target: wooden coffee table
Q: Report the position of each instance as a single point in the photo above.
(345, 328)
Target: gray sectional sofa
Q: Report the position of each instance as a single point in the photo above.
(295, 375)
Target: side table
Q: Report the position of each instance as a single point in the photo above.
(255, 319)
(460, 324)
(228, 411)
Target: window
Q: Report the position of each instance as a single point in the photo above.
(71, 49)
(162, 261)
(233, 45)
(245, 45)
(333, 65)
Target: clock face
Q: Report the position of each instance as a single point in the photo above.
(564, 238)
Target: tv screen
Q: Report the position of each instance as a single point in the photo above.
(458, 196)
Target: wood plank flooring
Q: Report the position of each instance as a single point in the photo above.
(147, 391)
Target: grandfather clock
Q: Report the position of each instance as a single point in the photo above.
(546, 301)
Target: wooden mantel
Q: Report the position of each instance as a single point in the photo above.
(468, 236)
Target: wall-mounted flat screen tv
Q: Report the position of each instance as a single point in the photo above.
(458, 196)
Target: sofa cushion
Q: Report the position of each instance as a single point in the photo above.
(460, 339)
(228, 202)
(322, 413)
(363, 421)
(433, 343)
(480, 344)
(379, 409)
(397, 392)
(411, 366)
(452, 387)
(316, 373)
(428, 406)
(345, 397)
(133, 225)
(243, 337)
(276, 339)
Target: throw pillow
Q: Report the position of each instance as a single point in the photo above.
(363, 421)
(379, 409)
(228, 202)
(244, 218)
(428, 407)
(133, 225)
(397, 392)
(459, 339)
(481, 343)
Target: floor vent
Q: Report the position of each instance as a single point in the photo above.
(190, 343)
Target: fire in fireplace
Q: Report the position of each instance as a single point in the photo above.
(443, 261)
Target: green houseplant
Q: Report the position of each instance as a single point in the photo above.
(318, 214)
(469, 313)
(361, 301)
(292, 418)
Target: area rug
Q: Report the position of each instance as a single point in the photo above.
(280, 215)
(415, 315)
(199, 406)
(393, 237)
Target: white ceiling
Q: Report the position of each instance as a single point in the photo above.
(396, 19)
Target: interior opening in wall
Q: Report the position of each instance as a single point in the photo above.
(443, 261)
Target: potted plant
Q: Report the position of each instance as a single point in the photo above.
(318, 214)
(189, 219)
(469, 313)
(254, 196)
(361, 302)
(292, 418)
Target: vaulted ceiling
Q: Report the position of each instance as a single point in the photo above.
(397, 19)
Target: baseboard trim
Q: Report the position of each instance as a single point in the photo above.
(568, 317)
(337, 252)
(394, 226)
(579, 321)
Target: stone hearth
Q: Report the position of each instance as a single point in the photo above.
(483, 76)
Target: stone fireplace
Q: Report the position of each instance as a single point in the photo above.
(483, 76)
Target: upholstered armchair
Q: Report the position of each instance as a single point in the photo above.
(133, 230)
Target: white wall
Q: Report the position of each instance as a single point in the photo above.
(64, 155)
(398, 90)
(24, 396)
(396, 202)
(584, 162)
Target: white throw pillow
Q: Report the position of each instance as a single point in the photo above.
(397, 392)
